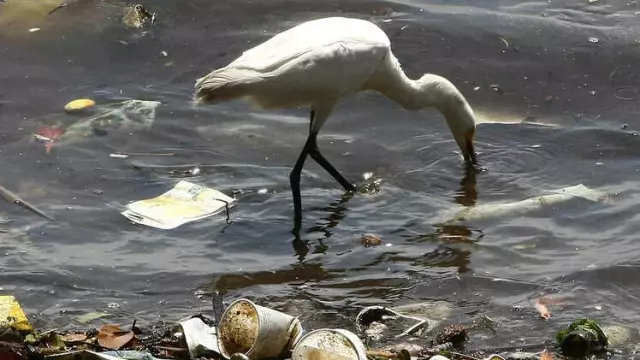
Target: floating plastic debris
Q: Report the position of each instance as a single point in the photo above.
(79, 104)
(184, 203)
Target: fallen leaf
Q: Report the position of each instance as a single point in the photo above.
(542, 309)
(71, 338)
(112, 337)
(546, 355)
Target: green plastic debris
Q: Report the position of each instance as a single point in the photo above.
(582, 338)
(87, 318)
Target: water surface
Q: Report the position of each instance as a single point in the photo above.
(554, 85)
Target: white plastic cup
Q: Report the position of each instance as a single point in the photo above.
(335, 344)
(256, 331)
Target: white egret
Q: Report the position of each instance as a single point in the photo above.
(320, 61)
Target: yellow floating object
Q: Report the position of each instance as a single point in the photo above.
(11, 314)
(79, 104)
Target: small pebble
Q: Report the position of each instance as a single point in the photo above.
(113, 305)
(496, 88)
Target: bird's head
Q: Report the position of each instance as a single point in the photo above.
(462, 123)
(445, 97)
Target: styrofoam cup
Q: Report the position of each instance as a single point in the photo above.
(256, 331)
(335, 344)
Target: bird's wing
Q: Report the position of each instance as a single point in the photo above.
(308, 37)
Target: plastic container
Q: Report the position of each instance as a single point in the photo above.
(256, 331)
(334, 344)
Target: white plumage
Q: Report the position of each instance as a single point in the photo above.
(320, 61)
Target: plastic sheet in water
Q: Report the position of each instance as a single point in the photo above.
(184, 203)
(488, 211)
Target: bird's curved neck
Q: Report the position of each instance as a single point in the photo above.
(428, 91)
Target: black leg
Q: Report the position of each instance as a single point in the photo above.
(315, 154)
(311, 148)
(294, 180)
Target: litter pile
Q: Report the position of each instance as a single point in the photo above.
(246, 330)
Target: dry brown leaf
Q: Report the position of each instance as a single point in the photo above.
(546, 355)
(71, 338)
(112, 337)
(542, 309)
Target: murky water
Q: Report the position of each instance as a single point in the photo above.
(554, 83)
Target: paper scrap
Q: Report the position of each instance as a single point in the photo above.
(201, 339)
(185, 202)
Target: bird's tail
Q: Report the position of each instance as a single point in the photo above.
(224, 84)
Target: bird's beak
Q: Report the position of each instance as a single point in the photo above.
(470, 155)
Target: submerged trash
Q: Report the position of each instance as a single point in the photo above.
(184, 203)
(509, 209)
(136, 16)
(129, 115)
(48, 135)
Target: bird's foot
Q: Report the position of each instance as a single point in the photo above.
(369, 188)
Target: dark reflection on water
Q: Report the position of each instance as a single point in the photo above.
(555, 85)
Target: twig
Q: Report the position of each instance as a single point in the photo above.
(413, 328)
(15, 199)
(149, 154)
(464, 356)
(226, 207)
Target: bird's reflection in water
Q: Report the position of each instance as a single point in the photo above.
(335, 213)
(468, 193)
(448, 233)
(296, 274)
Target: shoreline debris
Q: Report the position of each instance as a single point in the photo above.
(247, 331)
